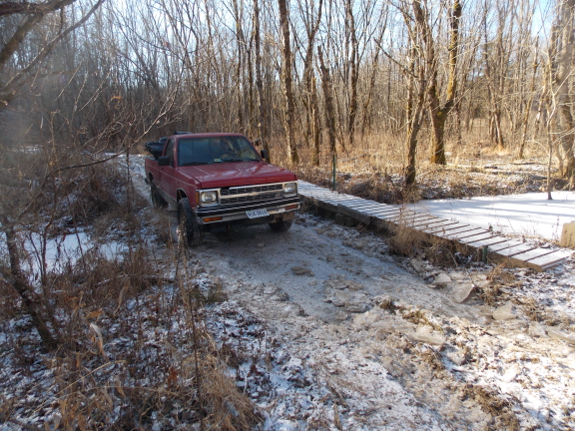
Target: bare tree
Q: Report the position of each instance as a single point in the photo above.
(529, 103)
(439, 113)
(312, 21)
(262, 122)
(287, 60)
(329, 105)
(561, 69)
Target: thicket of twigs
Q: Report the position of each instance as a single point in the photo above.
(127, 343)
(387, 87)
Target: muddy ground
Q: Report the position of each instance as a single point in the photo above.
(341, 334)
(379, 343)
(323, 328)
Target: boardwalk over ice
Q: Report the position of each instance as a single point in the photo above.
(368, 212)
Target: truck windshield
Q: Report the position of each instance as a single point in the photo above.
(223, 149)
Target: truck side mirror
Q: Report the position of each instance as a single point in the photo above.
(265, 154)
(164, 161)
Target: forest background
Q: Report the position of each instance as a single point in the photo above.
(397, 85)
(387, 91)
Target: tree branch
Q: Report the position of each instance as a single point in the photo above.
(7, 92)
(11, 8)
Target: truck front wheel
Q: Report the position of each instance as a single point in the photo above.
(281, 225)
(189, 229)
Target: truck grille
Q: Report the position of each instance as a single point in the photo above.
(250, 194)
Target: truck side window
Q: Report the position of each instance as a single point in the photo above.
(170, 152)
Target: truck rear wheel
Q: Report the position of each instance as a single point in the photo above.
(281, 225)
(189, 229)
(157, 199)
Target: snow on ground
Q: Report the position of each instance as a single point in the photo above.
(325, 330)
(530, 214)
(60, 253)
(455, 359)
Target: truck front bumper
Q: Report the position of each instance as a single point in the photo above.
(284, 209)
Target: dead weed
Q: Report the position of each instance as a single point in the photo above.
(497, 407)
(406, 241)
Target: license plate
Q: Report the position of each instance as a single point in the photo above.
(257, 213)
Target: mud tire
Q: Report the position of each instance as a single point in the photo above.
(189, 229)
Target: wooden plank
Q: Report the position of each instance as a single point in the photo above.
(549, 261)
(438, 224)
(480, 231)
(407, 220)
(424, 219)
(366, 211)
(384, 209)
(510, 243)
(405, 214)
(472, 234)
(474, 238)
(521, 259)
(394, 217)
(517, 249)
(533, 254)
(451, 234)
(355, 202)
(432, 218)
(419, 222)
(382, 214)
(381, 209)
(457, 236)
(487, 242)
(455, 225)
(368, 204)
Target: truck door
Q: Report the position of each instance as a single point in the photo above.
(166, 179)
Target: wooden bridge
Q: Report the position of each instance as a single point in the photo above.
(368, 212)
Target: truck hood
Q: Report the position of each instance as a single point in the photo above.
(237, 174)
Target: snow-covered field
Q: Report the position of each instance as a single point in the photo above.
(324, 329)
(530, 214)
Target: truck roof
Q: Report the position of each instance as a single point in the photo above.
(206, 135)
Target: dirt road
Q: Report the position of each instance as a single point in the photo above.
(328, 331)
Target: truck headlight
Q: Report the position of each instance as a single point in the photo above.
(208, 198)
(290, 188)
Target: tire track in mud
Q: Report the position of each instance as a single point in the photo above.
(320, 298)
(361, 343)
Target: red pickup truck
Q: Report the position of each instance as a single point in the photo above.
(218, 180)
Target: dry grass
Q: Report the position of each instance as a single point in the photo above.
(132, 346)
(493, 404)
(373, 169)
(499, 276)
(406, 241)
(531, 309)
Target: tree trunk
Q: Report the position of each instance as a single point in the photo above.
(313, 132)
(529, 104)
(354, 75)
(240, 86)
(262, 120)
(561, 85)
(414, 117)
(287, 82)
(437, 112)
(30, 300)
(329, 106)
